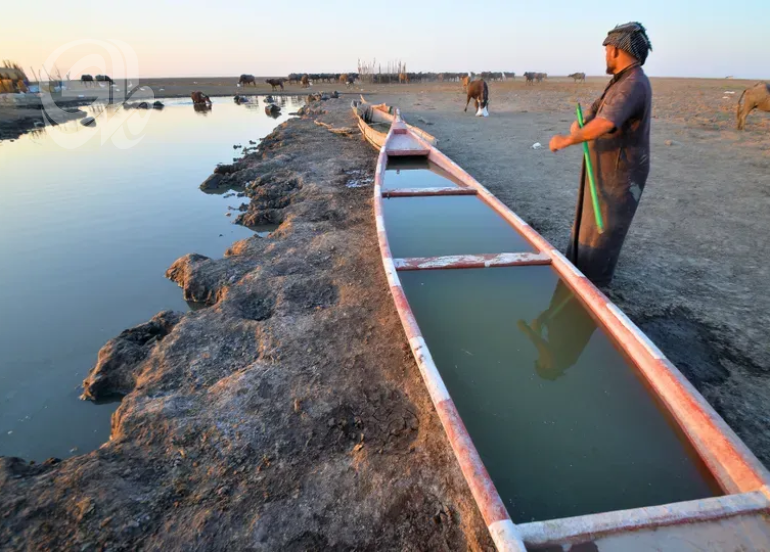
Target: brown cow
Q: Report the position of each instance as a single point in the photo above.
(479, 91)
(199, 98)
(275, 83)
(756, 97)
(305, 80)
(466, 80)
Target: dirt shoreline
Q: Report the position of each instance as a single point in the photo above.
(288, 415)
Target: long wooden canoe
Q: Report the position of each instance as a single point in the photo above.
(733, 517)
(374, 121)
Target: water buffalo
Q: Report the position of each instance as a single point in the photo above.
(275, 83)
(247, 79)
(102, 78)
(577, 77)
(199, 98)
(756, 97)
(305, 80)
(530, 77)
(87, 80)
(479, 91)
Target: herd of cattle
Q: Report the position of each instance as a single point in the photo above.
(379, 78)
(384, 78)
(755, 97)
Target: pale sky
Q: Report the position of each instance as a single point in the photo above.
(708, 38)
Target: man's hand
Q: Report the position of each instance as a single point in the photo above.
(591, 131)
(560, 142)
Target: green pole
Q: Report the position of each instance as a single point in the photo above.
(591, 181)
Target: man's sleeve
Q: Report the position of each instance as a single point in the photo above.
(622, 101)
(588, 117)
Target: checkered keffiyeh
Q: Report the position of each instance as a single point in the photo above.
(631, 38)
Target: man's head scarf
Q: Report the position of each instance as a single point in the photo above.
(631, 38)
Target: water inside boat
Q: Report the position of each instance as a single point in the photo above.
(434, 226)
(415, 172)
(563, 423)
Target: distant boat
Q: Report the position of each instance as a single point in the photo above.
(374, 122)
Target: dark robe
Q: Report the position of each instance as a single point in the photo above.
(621, 161)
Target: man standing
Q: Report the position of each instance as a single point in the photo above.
(618, 132)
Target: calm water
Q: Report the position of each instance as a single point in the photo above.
(447, 225)
(85, 238)
(415, 172)
(562, 423)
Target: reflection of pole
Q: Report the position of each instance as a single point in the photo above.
(590, 171)
(578, 215)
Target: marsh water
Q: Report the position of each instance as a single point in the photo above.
(86, 235)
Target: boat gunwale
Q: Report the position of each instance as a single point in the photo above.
(734, 467)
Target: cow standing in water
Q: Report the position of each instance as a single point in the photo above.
(199, 98)
(478, 91)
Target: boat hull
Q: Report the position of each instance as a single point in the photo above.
(380, 113)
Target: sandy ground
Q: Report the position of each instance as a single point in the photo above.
(694, 269)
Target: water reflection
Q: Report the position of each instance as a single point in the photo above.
(202, 109)
(587, 438)
(560, 333)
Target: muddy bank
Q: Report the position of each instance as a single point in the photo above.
(286, 415)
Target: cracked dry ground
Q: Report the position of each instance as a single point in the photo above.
(286, 415)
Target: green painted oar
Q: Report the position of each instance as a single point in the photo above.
(590, 170)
